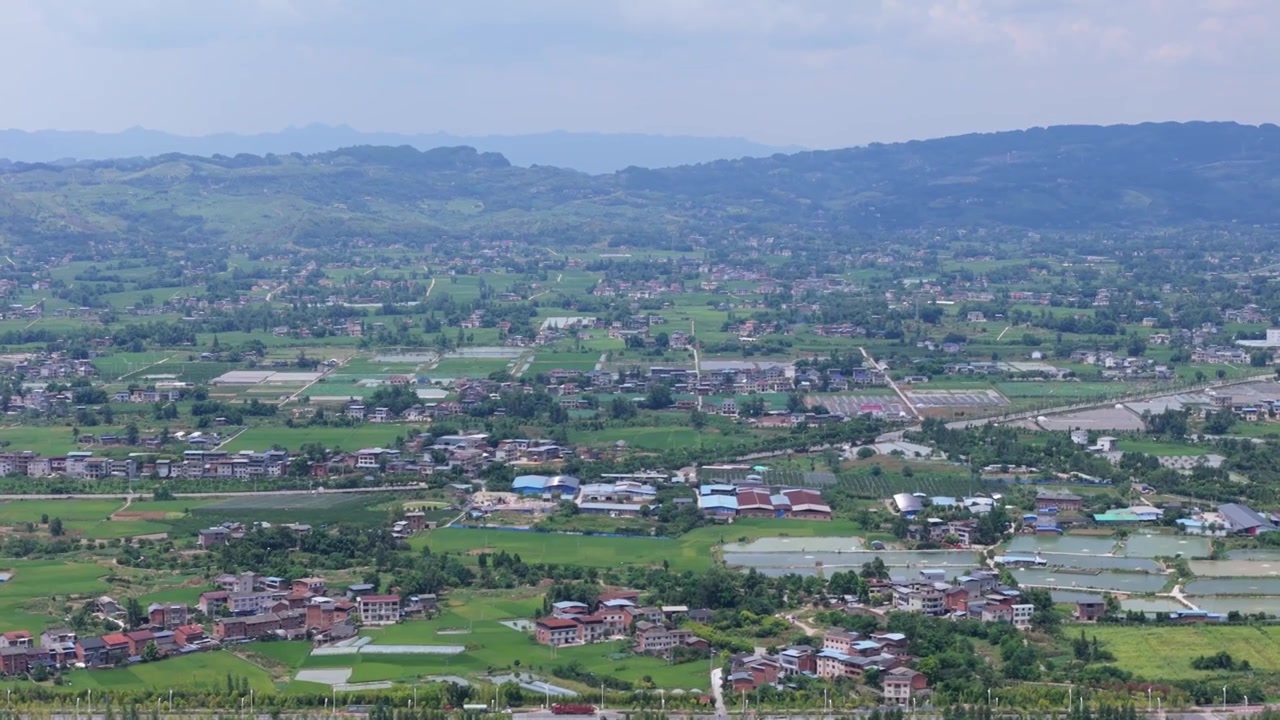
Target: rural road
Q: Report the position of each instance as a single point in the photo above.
(244, 493)
(718, 692)
(892, 385)
(1136, 397)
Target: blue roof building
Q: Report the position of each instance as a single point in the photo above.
(529, 484)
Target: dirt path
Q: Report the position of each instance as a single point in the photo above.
(430, 287)
(307, 387)
(233, 437)
(806, 627)
(144, 369)
(273, 292)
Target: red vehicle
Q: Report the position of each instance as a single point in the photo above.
(573, 709)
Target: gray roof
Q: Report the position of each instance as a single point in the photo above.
(1056, 495)
(907, 502)
(1243, 517)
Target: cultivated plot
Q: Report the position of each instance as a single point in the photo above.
(929, 399)
(853, 404)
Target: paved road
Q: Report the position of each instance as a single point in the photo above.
(1135, 397)
(892, 385)
(125, 496)
(717, 692)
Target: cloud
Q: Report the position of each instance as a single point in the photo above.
(814, 72)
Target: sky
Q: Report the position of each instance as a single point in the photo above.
(815, 73)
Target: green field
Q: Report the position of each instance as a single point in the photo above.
(1063, 390)
(1158, 448)
(692, 551)
(1166, 653)
(47, 440)
(653, 438)
(472, 620)
(314, 509)
(206, 670)
(85, 518)
(265, 437)
(27, 599)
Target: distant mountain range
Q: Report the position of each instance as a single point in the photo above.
(1080, 179)
(593, 153)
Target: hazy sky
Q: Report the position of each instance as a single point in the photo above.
(820, 73)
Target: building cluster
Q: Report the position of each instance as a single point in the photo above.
(843, 654)
(729, 501)
(1230, 519)
(250, 606)
(169, 632)
(976, 595)
(617, 496)
(615, 615)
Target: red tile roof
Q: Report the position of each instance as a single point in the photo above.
(557, 623)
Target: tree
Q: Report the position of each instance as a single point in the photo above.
(150, 652)
(865, 452)
(621, 408)
(131, 435)
(55, 527)
(1219, 422)
(658, 397)
(134, 613)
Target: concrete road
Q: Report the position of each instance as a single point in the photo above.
(240, 493)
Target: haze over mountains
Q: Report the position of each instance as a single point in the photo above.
(1068, 178)
(587, 152)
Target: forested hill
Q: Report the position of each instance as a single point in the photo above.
(1071, 178)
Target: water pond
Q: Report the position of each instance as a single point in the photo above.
(1079, 544)
(1120, 581)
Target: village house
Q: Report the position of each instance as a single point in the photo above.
(379, 609)
(902, 685)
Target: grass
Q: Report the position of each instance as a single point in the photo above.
(1158, 448)
(653, 438)
(291, 653)
(207, 670)
(264, 437)
(316, 509)
(493, 646)
(45, 440)
(27, 600)
(1064, 390)
(692, 551)
(18, 511)
(85, 518)
(1165, 653)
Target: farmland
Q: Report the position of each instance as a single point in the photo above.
(350, 439)
(692, 551)
(869, 486)
(1166, 654)
(206, 671)
(27, 599)
(473, 620)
